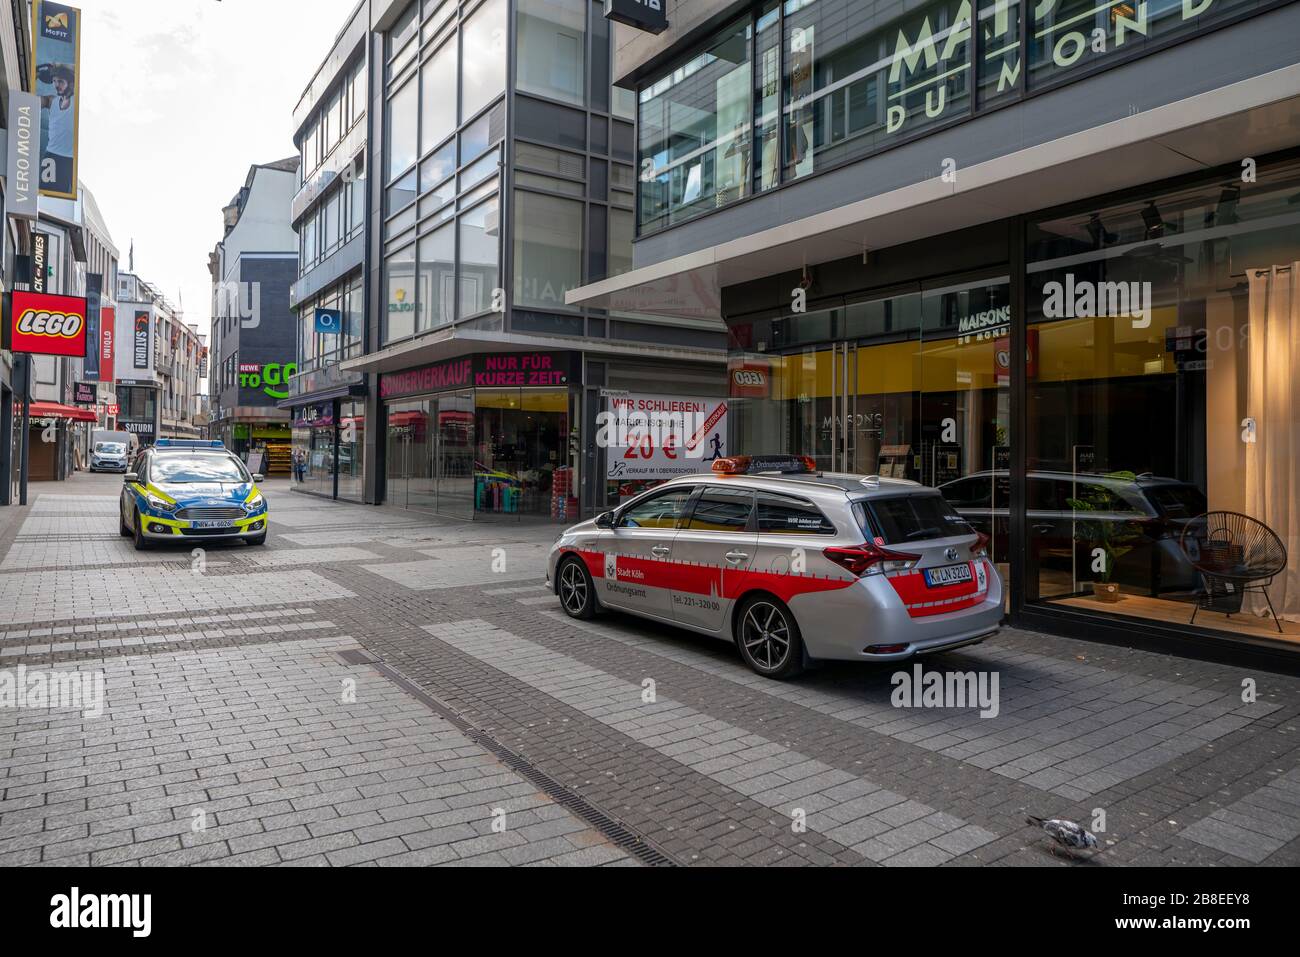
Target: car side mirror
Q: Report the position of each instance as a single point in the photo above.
(130, 478)
(605, 520)
(258, 477)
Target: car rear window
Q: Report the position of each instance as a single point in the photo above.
(1178, 501)
(780, 515)
(898, 519)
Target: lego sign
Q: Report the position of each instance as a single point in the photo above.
(47, 325)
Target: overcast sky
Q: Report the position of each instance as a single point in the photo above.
(179, 98)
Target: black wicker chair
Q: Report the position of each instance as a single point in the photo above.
(1234, 554)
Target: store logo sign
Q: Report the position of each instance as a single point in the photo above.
(48, 325)
(648, 15)
(750, 381)
(267, 377)
(1095, 300)
(140, 357)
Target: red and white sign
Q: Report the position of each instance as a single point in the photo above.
(48, 325)
(107, 319)
(657, 437)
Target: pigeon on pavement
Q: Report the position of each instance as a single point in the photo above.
(1066, 833)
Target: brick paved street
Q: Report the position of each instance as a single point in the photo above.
(384, 688)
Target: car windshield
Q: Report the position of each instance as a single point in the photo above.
(111, 448)
(899, 519)
(197, 468)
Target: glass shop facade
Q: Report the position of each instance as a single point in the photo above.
(1109, 389)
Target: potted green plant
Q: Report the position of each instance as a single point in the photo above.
(1114, 536)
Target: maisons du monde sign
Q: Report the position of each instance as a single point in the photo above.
(930, 50)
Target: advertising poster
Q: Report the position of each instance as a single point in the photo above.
(107, 318)
(94, 286)
(56, 35)
(47, 325)
(140, 340)
(658, 437)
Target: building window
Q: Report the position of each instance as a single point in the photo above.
(437, 289)
(479, 258)
(548, 248)
(438, 97)
(483, 59)
(552, 48)
(694, 132)
(403, 121)
(399, 280)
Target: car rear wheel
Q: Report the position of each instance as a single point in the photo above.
(768, 637)
(141, 543)
(577, 591)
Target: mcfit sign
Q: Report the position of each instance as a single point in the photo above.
(46, 325)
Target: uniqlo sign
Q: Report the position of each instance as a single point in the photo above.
(107, 319)
(47, 325)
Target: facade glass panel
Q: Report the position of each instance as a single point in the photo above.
(1162, 368)
(403, 119)
(548, 248)
(399, 280)
(479, 258)
(483, 57)
(695, 132)
(552, 43)
(437, 97)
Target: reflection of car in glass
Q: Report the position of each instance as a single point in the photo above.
(789, 563)
(182, 490)
(1136, 519)
(108, 457)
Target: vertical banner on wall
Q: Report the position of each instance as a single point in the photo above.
(140, 340)
(20, 163)
(107, 353)
(56, 41)
(40, 267)
(94, 287)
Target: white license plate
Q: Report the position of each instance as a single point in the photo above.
(947, 575)
(214, 523)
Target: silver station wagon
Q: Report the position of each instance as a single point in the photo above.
(791, 564)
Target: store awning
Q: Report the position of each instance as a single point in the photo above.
(1250, 118)
(453, 342)
(57, 410)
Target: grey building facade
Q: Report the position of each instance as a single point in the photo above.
(1038, 256)
(500, 176)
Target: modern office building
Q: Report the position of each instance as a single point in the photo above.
(500, 175)
(1044, 257)
(328, 211)
(142, 331)
(253, 352)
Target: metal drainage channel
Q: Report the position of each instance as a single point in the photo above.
(619, 835)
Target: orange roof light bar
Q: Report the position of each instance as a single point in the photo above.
(735, 465)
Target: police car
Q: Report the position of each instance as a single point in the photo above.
(791, 564)
(182, 490)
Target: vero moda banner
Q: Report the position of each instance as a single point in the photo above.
(46, 325)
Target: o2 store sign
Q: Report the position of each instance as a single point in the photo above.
(648, 15)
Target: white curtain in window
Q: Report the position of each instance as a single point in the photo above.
(1273, 459)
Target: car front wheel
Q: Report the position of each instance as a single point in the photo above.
(768, 637)
(577, 591)
(141, 543)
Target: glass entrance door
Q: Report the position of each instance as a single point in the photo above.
(452, 421)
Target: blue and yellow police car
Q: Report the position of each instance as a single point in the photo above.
(182, 490)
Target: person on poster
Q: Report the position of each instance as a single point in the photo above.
(60, 125)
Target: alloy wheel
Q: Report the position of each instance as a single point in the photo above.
(766, 635)
(573, 588)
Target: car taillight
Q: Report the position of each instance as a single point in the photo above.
(870, 559)
(981, 547)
